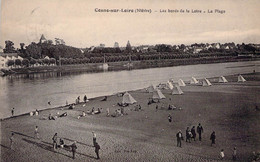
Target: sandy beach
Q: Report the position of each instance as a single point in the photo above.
(146, 135)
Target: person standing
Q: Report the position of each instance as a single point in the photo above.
(85, 98)
(54, 141)
(170, 118)
(213, 138)
(12, 141)
(179, 138)
(188, 134)
(107, 111)
(234, 155)
(94, 138)
(36, 133)
(222, 155)
(193, 132)
(73, 149)
(78, 99)
(97, 148)
(12, 111)
(199, 131)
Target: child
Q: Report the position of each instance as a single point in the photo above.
(222, 155)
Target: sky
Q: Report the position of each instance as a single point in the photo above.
(77, 23)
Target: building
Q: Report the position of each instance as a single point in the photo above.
(4, 57)
(102, 45)
(43, 39)
(116, 45)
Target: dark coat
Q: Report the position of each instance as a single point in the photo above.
(73, 147)
(193, 132)
(199, 129)
(97, 147)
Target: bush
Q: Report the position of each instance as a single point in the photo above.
(18, 62)
(25, 62)
(10, 62)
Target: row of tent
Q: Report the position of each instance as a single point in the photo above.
(206, 82)
(128, 99)
(176, 90)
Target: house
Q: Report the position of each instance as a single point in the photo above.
(197, 50)
(4, 57)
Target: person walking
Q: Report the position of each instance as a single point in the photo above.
(12, 111)
(97, 148)
(179, 138)
(94, 138)
(234, 155)
(222, 154)
(12, 141)
(73, 149)
(36, 133)
(54, 141)
(199, 131)
(170, 118)
(213, 138)
(193, 132)
(188, 134)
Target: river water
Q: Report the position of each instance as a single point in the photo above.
(29, 92)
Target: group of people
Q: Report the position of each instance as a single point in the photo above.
(59, 142)
(77, 101)
(191, 134)
(51, 117)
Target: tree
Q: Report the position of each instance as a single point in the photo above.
(46, 61)
(25, 62)
(10, 62)
(52, 61)
(17, 62)
(39, 61)
(32, 61)
(128, 47)
(33, 50)
(9, 47)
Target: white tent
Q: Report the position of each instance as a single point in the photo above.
(150, 89)
(222, 80)
(206, 82)
(169, 85)
(194, 81)
(241, 79)
(157, 94)
(177, 90)
(128, 99)
(181, 83)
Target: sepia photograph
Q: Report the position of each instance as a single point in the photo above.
(137, 81)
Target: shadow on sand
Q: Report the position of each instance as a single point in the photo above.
(22, 134)
(48, 146)
(4, 146)
(77, 142)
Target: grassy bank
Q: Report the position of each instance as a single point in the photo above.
(124, 65)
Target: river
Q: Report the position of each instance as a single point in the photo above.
(29, 92)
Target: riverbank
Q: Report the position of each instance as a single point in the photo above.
(124, 65)
(146, 135)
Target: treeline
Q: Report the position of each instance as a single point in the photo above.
(61, 53)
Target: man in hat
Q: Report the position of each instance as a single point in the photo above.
(179, 138)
